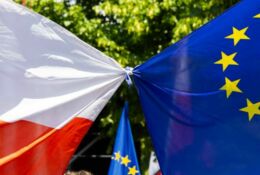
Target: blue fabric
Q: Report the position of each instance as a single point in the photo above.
(197, 128)
(124, 146)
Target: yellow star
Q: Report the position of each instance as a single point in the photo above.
(252, 109)
(132, 170)
(238, 35)
(257, 16)
(226, 60)
(125, 160)
(231, 86)
(117, 156)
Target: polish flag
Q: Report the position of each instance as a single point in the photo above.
(154, 167)
(53, 86)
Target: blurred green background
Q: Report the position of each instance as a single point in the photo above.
(130, 31)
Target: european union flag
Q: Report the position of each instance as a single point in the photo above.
(201, 97)
(124, 160)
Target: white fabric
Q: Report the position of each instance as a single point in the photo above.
(47, 74)
(153, 164)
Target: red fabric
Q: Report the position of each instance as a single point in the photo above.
(159, 173)
(28, 148)
(16, 135)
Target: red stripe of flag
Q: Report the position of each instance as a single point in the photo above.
(37, 149)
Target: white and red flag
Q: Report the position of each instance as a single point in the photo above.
(53, 86)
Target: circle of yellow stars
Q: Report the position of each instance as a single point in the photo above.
(228, 59)
(124, 160)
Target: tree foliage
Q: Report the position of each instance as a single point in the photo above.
(130, 31)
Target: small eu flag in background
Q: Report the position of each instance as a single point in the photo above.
(201, 97)
(124, 160)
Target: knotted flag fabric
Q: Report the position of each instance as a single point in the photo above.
(124, 159)
(201, 97)
(53, 86)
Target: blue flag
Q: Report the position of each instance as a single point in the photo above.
(124, 160)
(201, 97)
